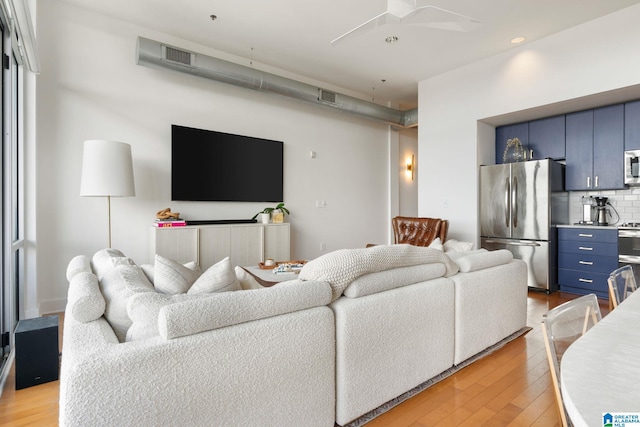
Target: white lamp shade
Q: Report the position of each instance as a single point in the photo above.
(107, 169)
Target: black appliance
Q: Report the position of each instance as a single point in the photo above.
(37, 352)
(215, 166)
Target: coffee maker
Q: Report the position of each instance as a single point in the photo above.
(601, 210)
(587, 210)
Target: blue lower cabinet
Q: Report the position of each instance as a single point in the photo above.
(589, 249)
(580, 282)
(584, 235)
(586, 256)
(588, 263)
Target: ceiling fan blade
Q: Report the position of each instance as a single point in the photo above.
(413, 12)
(382, 19)
(401, 8)
(435, 17)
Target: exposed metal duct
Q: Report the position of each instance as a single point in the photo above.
(155, 54)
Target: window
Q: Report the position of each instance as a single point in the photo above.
(11, 202)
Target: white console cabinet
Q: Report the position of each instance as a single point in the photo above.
(244, 244)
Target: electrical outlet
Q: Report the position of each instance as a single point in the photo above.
(321, 203)
(323, 246)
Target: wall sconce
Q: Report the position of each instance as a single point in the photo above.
(410, 167)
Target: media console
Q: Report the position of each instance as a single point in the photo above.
(220, 221)
(244, 243)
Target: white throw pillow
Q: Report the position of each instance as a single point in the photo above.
(105, 259)
(481, 260)
(79, 264)
(171, 277)
(220, 277)
(340, 268)
(219, 310)
(143, 309)
(393, 278)
(436, 244)
(84, 300)
(453, 245)
(117, 285)
(148, 269)
(247, 281)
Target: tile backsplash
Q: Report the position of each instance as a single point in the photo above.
(625, 202)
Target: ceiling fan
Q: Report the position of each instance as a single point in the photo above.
(413, 12)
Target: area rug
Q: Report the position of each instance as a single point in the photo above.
(398, 400)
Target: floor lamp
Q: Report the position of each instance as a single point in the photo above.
(107, 171)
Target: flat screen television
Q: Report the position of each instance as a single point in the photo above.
(216, 166)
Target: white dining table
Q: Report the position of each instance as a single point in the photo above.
(600, 372)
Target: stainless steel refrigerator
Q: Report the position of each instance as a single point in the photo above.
(520, 204)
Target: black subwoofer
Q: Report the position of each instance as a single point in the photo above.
(37, 354)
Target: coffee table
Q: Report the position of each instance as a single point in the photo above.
(267, 278)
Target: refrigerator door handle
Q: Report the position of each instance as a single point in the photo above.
(507, 190)
(514, 202)
(512, 242)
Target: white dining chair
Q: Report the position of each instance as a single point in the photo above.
(622, 282)
(561, 326)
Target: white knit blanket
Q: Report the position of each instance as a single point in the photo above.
(341, 267)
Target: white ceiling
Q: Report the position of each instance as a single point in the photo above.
(295, 35)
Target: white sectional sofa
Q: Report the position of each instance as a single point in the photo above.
(261, 357)
(407, 314)
(359, 328)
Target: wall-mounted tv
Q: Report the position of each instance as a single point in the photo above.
(215, 166)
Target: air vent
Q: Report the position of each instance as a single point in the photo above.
(327, 96)
(178, 56)
(151, 53)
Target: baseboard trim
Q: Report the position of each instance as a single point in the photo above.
(51, 307)
(30, 314)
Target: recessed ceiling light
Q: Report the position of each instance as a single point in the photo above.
(391, 39)
(518, 39)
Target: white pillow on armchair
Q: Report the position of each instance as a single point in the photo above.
(453, 245)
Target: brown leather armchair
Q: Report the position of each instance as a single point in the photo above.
(419, 231)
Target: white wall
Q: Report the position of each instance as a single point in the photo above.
(91, 88)
(541, 78)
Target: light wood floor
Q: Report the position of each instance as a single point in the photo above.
(510, 387)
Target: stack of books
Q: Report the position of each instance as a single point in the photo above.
(161, 223)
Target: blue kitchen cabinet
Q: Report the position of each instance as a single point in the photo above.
(632, 125)
(608, 147)
(595, 149)
(579, 150)
(586, 256)
(504, 133)
(547, 138)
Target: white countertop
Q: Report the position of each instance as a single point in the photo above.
(600, 372)
(613, 227)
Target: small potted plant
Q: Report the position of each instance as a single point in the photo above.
(278, 212)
